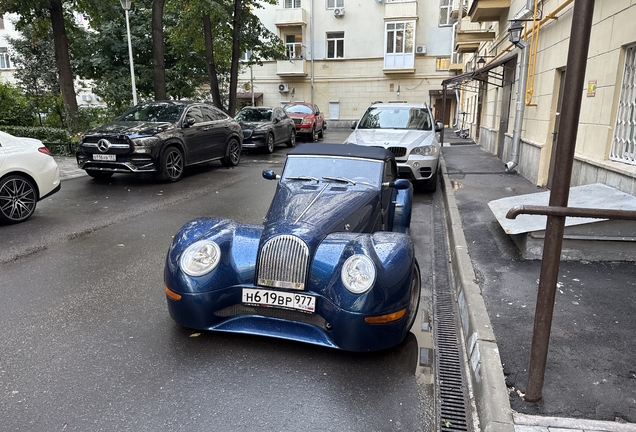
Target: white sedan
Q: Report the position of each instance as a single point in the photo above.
(28, 174)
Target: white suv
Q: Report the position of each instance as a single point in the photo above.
(409, 132)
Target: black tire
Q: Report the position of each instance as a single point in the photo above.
(322, 132)
(172, 165)
(314, 134)
(99, 175)
(18, 198)
(429, 185)
(270, 144)
(232, 154)
(292, 139)
(416, 292)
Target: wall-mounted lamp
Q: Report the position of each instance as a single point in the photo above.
(514, 32)
(398, 90)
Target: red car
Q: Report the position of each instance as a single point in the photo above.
(308, 119)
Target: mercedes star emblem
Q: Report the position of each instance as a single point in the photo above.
(103, 145)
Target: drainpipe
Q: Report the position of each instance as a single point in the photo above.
(452, 53)
(521, 106)
(311, 84)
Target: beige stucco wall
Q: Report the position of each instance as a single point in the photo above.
(612, 30)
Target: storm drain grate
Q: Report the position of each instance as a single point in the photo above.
(452, 394)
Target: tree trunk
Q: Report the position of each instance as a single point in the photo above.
(63, 60)
(158, 61)
(209, 60)
(236, 45)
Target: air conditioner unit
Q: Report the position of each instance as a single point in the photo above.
(420, 49)
(283, 88)
(338, 12)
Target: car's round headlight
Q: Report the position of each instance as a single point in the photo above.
(358, 274)
(427, 150)
(200, 258)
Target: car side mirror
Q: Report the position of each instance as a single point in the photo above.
(354, 124)
(275, 120)
(439, 126)
(189, 121)
(270, 175)
(399, 184)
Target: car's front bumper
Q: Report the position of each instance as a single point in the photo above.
(141, 163)
(418, 167)
(330, 325)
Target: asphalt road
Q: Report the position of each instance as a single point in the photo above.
(88, 344)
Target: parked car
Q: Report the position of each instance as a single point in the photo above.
(28, 174)
(161, 137)
(409, 132)
(308, 118)
(266, 127)
(332, 264)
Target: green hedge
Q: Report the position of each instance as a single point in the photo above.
(44, 134)
(58, 141)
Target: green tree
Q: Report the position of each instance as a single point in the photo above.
(37, 76)
(14, 108)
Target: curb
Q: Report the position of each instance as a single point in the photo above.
(486, 374)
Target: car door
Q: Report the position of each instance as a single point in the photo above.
(279, 125)
(219, 131)
(320, 118)
(195, 134)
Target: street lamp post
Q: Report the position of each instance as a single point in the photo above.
(126, 5)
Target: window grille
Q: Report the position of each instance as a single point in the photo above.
(335, 4)
(624, 141)
(5, 62)
(292, 4)
(335, 45)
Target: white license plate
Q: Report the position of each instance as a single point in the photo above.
(104, 157)
(285, 300)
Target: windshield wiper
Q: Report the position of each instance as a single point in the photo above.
(302, 178)
(340, 179)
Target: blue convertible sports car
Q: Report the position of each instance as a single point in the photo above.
(332, 265)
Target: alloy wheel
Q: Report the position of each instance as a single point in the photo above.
(17, 199)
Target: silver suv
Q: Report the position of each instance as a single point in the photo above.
(409, 132)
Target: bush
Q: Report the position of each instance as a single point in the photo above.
(58, 141)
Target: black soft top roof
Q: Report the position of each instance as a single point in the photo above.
(342, 150)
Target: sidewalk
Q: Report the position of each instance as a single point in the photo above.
(590, 381)
(68, 167)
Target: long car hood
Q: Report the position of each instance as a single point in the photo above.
(313, 212)
(390, 137)
(130, 128)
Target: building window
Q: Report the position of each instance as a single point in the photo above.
(292, 4)
(335, 45)
(335, 4)
(1, 24)
(442, 63)
(445, 12)
(5, 62)
(399, 47)
(624, 141)
(294, 45)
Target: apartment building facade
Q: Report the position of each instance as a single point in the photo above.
(344, 55)
(495, 82)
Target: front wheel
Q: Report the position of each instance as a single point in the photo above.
(17, 199)
(314, 134)
(233, 153)
(414, 301)
(172, 165)
(292, 139)
(269, 144)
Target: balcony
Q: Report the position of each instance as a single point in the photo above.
(291, 17)
(470, 35)
(456, 5)
(296, 65)
(487, 10)
(456, 62)
(400, 9)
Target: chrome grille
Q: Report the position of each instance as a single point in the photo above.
(298, 121)
(283, 263)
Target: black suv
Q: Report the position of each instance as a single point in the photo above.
(161, 137)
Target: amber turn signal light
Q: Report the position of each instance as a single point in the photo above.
(383, 319)
(173, 295)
